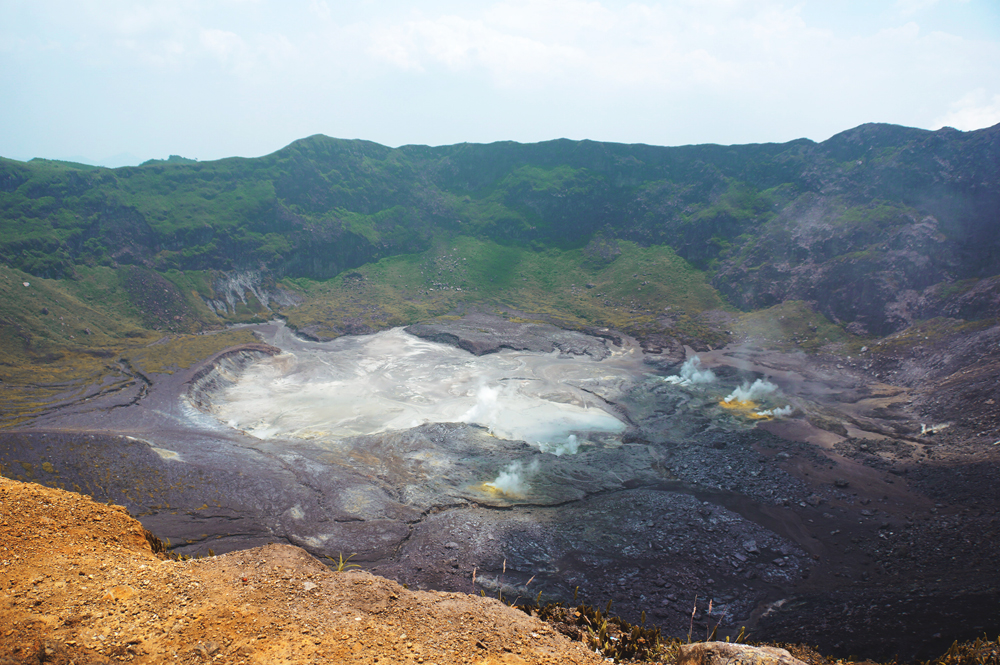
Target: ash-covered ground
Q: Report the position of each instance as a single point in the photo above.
(806, 500)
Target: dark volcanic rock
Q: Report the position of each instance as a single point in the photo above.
(872, 544)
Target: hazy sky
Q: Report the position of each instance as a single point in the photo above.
(98, 79)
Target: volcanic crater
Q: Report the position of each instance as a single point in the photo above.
(481, 455)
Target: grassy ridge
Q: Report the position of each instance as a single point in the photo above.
(90, 312)
(321, 206)
(792, 325)
(630, 292)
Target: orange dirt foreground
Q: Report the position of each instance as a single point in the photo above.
(80, 584)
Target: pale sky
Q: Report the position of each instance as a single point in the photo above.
(122, 81)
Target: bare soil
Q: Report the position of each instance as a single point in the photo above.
(79, 583)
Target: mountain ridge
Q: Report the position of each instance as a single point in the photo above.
(883, 208)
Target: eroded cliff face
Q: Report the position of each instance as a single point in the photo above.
(865, 278)
(81, 585)
(223, 371)
(879, 215)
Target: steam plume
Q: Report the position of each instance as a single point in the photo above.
(752, 393)
(691, 374)
(513, 480)
(570, 447)
(486, 410)
(780, 412)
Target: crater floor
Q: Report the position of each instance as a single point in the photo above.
(562, 464)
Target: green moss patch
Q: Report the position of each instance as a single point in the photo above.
(633, 291)
(793, 325)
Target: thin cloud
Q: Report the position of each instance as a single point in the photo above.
(643, 44)
(461, 44)
(974, 110)
(320, 9)
(911, 7)
(221, 43)
(722, 46)
(654, 71)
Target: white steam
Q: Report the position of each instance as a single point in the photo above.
(691, 374)
(933, 429)
(751, 393)
(780, 412)
(569, 447)
(507, 416)
(486, 410)
(513, 480)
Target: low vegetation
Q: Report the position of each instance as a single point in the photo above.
(624, 642)
(793, 325)
(631, 292)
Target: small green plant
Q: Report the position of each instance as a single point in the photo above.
(340, 564)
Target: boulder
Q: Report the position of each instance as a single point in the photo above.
(724, 653)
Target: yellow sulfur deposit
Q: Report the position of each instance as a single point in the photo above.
(745, 408)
